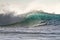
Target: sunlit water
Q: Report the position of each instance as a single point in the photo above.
(32, 33)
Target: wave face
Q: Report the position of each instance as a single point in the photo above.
(42, 18)
(38, 18)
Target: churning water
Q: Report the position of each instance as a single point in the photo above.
(32, 33)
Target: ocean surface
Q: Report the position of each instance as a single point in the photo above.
(35, 25)
(33, 33)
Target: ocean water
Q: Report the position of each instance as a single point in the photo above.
(34, 25)
(33, 33)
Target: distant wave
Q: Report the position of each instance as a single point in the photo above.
(37, 18)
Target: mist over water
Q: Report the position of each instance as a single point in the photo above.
(22, 8)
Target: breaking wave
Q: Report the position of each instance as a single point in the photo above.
(37, 18)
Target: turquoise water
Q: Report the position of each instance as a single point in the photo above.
(38, 18)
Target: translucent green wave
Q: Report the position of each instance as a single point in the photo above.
(37, 18)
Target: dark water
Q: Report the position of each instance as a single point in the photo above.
(32, 33)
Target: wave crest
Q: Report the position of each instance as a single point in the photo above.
(38, 18)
